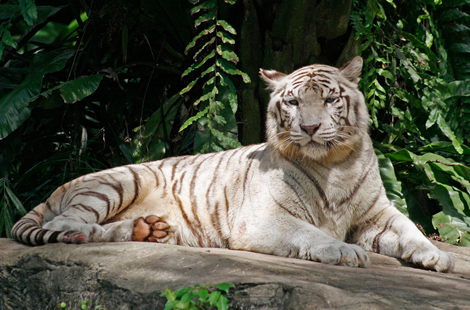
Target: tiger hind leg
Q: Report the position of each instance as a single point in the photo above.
(153, 228)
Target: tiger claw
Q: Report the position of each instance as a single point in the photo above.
(75, 238)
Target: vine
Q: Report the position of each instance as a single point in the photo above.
(215, 61)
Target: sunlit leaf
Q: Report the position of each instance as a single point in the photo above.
(198, 64)
(210, 15)
(191, 120)
(391, 183)
(226, 26)
(449, 133)
(206, 5)
(456, 229)
(233, 143)
(225, 37)
(227, 54)
(207, 44)
(189, 87)
(232, 93)
(203, 33)
(230, 68)
(225, 286)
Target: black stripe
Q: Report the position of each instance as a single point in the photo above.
(88, 209)
(227, 208)
(40, 237)
(371, 164)
(100, 196)
(188, 222)
(146, 165)
(136, 185)
(376, 242)
(303, 206)
(181, 180)
(313, 180)
(284, 208)
(374, 201)
(48, 207)
(53, 237)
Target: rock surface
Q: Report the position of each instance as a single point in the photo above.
(131, 276)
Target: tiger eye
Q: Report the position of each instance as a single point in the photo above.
(330, 100)
(293, 102)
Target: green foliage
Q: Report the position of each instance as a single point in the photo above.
(10, 207)
(214, 60)
(84, 86)
(202, 296)
(417, 95)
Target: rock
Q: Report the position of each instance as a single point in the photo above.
(131, 276)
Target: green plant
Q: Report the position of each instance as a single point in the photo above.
(202, 296)
(417, 96)
(75, 93)
(215, 61)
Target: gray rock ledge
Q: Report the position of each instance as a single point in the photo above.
(131, 276)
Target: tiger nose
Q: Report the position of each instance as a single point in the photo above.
(310, 129)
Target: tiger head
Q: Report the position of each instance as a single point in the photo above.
(316, 111)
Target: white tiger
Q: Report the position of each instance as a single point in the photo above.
(313, 186)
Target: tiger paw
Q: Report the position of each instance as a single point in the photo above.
(74, 238)
(151, 229)
(340, 253)
(430, 257)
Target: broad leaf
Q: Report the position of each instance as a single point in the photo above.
(392, 185)
(29, 11)
(78, 89)
(455, 229)
(14, 105)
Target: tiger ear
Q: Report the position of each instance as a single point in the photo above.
(352, 69)
(271, 77)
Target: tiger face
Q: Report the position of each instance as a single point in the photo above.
(316, 111)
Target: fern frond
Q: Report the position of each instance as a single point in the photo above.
(232, 93)
(225, 37)
(189, 87)
(200, 35)
(190, 120)
(227, 54)
(206, 5)
(207, 44)
(226, 26)
(198, 64)
(210, 15)
(230, 68)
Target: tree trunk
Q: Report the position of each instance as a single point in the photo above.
(285, 35)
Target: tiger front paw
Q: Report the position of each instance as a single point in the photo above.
(430, 257)
(340, 253)
(151, 229)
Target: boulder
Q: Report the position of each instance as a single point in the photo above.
(131, 276)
